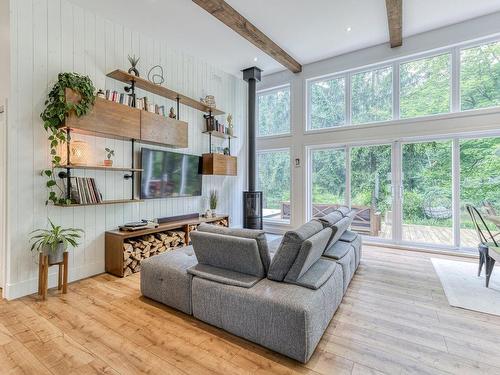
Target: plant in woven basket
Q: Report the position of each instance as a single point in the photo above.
(57, 108)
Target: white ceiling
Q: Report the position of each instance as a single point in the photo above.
(308, 30)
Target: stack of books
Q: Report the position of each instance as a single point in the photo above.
(84, 191)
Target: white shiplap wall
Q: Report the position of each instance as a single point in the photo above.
(52, 36)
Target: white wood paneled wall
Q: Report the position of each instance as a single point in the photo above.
(52, 36)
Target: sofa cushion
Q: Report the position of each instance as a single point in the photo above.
(223, 276)
(231, 253)
(331, 218)
(344, 210)
(337, 250)
(257, 235)
(289, 248)
(348, 264)
(310, 251)
(164, 278)
(317, 275)
(348, 236)
(338, 229)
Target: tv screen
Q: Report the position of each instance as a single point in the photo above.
(170, 174)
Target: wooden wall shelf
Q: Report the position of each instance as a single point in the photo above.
(113, 120)
(101, 168)
(116, 201)
(144, 84)
(220, 165)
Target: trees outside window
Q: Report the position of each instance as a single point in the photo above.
(372, 96)
(425, 86)
(328, 176)
(480, 76)
(273, 112)
(273, 179)
(327, 103)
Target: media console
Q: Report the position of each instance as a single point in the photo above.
(125, 250)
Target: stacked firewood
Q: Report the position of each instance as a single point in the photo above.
(221, 222)
(139, 248)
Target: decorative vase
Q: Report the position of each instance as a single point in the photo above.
(208, 213)
(214, 214)
(55, 256)
(108, 162)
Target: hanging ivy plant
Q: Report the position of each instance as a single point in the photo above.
(55, 112)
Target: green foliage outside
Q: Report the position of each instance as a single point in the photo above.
(273, 177)
(274, 112)
(327, 103)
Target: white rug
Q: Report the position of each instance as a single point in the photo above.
(464, 289)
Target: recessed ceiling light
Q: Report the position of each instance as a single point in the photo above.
(255, 59)
(348, 28)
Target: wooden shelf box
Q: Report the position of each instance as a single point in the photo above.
(162, 130)
(219, 164)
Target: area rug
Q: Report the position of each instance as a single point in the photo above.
(463, 288)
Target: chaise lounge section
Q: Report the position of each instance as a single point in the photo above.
(228, 279)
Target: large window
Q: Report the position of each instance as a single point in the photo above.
(327, 103)
(372, 96)
(273, 179)
(425, 86)
(480, 76)
(427, 193)
(328, 180)
(273, 111)
(479, 184)
(371, 190)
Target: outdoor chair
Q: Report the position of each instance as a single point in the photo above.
(489, 249)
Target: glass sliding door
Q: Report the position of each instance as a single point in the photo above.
(479, 185)
(328, 180)
(371, 190)
(427, 216)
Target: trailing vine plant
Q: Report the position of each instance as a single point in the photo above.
(57, 108)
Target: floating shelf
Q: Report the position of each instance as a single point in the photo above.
(117, 201)
(219, 165)
(218, 134)
(144, 84)
(100, 167)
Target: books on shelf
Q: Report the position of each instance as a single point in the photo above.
(84, 191)
(140, 103)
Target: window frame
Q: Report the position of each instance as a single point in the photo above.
(271, 150)
(268, 91)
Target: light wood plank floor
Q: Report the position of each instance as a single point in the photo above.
(394, 320)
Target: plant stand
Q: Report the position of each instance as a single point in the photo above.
(43, 275)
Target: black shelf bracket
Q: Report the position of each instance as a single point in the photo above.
(178, 100)
(68, 162)
(131, 89)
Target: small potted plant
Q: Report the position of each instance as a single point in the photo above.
(108, 162)
(54, 241)
(214, 198)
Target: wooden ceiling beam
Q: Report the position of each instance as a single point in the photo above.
(230, 17)
(395, 19)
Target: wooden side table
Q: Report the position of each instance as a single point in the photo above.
(43, 275)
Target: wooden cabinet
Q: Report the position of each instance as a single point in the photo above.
(163, 130)
(219, 164)
(106, 118)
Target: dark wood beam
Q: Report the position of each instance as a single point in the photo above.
(395, 19)
(230, 17)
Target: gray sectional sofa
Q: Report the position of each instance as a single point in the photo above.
(284, 300)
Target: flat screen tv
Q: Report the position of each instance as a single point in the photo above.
(169, 174)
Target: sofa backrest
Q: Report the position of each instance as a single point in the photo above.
(231, 253)
(309, 253)
(289, 248)
(258, 235)
(338, 222)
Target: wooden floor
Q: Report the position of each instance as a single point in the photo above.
(394, 320)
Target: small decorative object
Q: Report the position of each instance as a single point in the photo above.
(133, 61)
(52, 246)
(214, 198)
(209, 101)
(79, 151)
(171, 113)
(155, 75)
(229, 124)
(101, 94)
(208, 213)
(227, 151)
(108, 162)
